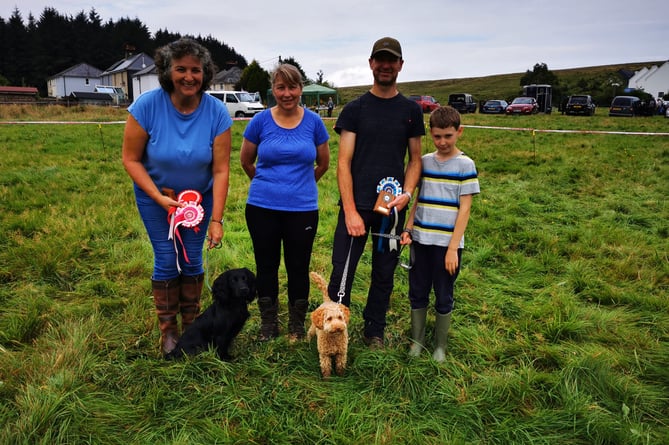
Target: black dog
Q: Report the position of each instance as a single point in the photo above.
(220, 323)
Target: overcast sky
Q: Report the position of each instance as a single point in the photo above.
(441, 39)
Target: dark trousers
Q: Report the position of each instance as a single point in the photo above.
(384, 262)
(270, 229)
(429, 272)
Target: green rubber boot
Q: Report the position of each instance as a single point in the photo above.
(418, 317)
(441, 327)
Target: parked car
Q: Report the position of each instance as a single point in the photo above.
(238, 103)
(256, 97)
(523, 105)
(624, 106)
(580, 104)
(496, 106)
(462, 102)
(427, 103)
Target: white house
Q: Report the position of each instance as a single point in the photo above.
(120, 74)
(653, 80)
(145, 80)
(226, 79)
(82, 78)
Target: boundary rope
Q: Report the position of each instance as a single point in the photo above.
(485, 127)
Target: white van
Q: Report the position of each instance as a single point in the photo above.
(239, 103)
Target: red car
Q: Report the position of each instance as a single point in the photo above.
(523, 105)
(427, 103)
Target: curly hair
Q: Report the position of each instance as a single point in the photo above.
(176, 50)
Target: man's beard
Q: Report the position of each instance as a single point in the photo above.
(386, 82)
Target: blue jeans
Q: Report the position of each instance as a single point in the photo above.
(165, 255)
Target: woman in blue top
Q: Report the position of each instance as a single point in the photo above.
(284, 152)
(178, 139)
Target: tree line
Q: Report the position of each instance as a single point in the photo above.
(34, 49)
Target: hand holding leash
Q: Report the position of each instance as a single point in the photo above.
(406, 237)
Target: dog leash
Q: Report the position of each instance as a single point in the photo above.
(206, 263)
(403, 265)
(386, 235)
(342, 285)
(206, 270)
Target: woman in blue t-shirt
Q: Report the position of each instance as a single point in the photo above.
(284, 152)
(176, 145)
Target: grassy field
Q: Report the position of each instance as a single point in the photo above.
(560, 332)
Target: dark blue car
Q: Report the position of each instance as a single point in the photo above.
(496, 106)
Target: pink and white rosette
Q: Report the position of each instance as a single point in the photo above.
(189, 215)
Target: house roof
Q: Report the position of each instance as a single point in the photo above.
(81, 70)
(18, 90)
(230, 76)
(91, 96)
(151, 69)
(132, 63)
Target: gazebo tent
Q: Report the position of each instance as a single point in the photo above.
(315, 94)
(312, 95)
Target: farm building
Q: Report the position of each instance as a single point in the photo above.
(18, 94)
(82, 77)
(653, 80)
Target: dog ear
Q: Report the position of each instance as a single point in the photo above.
(347, 313)
(219, 289)
(317, 317)
(251, 280)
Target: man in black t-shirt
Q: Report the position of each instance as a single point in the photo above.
(376, 130)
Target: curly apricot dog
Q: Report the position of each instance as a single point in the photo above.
(329, 322)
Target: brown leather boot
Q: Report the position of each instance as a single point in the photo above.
(166, 298)
(269, 318)
(189, 299)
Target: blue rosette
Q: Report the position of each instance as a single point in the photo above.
(389, 185)
(388, 188)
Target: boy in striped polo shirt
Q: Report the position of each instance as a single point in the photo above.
(436, 227)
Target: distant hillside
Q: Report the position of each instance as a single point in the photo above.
(593, 80)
